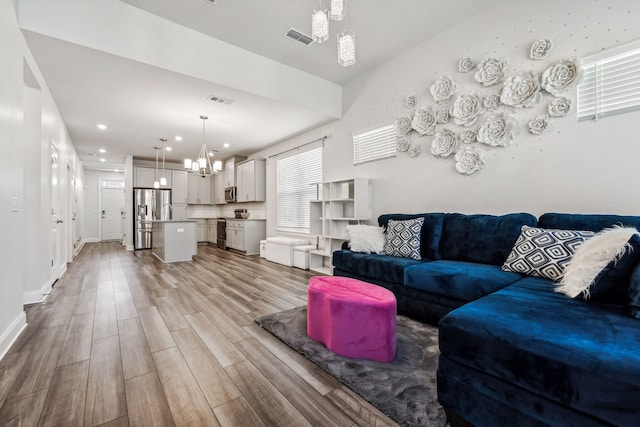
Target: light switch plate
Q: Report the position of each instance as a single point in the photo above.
(15, 204)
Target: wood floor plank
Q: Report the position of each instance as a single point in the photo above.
(223, 322)
(106, 399)
(10, 367)
(223, 349)
(123, 421)
(23, 411)
(146, 402)
(188, 405)
(64, 310)
(359, 409)
(125, 308)
(270, 405)
(77, 343)
(86, 302)
(156, 331)
(212, 378)
(65, 401)
(306, 400)
(171, 316)
(238, 412)
(136, 357)
(105, 323)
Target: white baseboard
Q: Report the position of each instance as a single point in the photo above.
(11, 334)
(129, 247)
(40, 295)
(91, 240)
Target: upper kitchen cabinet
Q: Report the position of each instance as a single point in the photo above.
(220, 182)
(250, 180)
(144, 177)
(198, 190)
(179, 187)
(230, 170)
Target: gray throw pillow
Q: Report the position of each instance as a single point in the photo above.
(403, 238)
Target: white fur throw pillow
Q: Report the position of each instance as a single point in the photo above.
(366, 238)
(592, 257)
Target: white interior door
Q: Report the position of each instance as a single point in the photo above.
(56, 248)
(112, 213)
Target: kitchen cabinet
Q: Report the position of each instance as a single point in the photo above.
(245, 234)
(198, 190)
(219, 185)
(178, 211)
(201, 230)
(250, 180)
(143, 177)
(230, 170)
(179, 187)
(212, 231)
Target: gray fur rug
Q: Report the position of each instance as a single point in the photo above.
(404, 389)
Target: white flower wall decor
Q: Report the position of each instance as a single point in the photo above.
(443, 88)
(456, 116)
(466, 109)
(424, 121)
(521, 90)
(557, 78)
(540, 49)
(497, 130)
(469, 160)
(491, 71)
(444, 144)
(559, 107)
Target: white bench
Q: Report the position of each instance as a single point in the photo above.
(280, 249)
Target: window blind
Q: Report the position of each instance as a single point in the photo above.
(374, 144)
(611, 83)
(295, 174)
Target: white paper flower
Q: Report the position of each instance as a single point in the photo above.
(414, 150)
(402, 144)
(521, 90)
(540, 49)
(410, 101)
(444, 143)
(538, 125)
(403, 125)
(424, 122)
(442, 116)
(491, 71)
(559, 107)
(469, 160)
(492, 102)
(497, 130)
(466, 109)
(466, 64)
(443, 88)
(468, 136)
(557, 78)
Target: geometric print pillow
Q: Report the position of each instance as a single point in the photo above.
(544, 252)
(403, 238)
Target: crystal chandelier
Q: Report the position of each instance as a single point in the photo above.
(346, 39)
(202, 165)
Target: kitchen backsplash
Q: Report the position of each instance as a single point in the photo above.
(256, 210)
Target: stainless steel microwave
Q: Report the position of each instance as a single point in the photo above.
(230, 194)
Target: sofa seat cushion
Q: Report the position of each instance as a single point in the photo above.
(461, 280)
(484, 239)
(373, 266)
(581, 355)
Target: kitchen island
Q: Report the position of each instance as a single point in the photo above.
(174, 240)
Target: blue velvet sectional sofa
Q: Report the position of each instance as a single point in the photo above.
(514, 352)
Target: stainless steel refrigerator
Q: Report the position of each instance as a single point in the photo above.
(149, 205)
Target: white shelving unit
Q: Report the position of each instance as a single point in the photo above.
(339, 204)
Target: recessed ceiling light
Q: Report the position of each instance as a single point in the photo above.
(103, 160)
(102, 150)
(178, 138)
(101, 126)
(225, 145)
(168, 148)
(211, 153)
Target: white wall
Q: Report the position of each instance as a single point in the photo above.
(576, 167)
(18, 196)
(91, 229)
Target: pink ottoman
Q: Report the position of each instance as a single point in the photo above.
(352, 318)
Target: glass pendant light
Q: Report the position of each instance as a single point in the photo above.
(163, 178)
(337, 10)
(346, 45)
(320, 24)
(156, 183)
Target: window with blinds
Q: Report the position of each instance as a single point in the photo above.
(374, 144)
(611, 83)
(295, 176)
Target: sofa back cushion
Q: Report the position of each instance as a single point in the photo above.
(484, 239)
(586, 222)
(431, 231)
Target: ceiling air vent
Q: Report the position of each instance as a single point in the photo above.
(298, 36)
(211, 2)
(223, 101)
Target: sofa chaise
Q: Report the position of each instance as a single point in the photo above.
(514, 351)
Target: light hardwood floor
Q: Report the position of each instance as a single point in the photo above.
(126, 340)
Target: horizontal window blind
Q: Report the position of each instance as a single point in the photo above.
(611, 84)
(295, 174)
(374, 144)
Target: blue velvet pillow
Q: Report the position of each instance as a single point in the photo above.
(634, 292)
(544, 252)
(403, 238)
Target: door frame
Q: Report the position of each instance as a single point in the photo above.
(101, 186)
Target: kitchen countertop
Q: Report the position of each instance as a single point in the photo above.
(174, 220)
